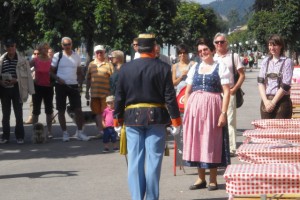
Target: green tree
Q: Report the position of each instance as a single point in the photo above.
(192, 22)
(282, 19)
(260, 5)
(16, 20)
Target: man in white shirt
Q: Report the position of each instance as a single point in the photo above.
(224, 55)
(135, 48)
(65, 69)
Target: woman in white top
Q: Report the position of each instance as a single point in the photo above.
(205, 136)
(180, 69)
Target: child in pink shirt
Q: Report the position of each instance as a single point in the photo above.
(110, 135)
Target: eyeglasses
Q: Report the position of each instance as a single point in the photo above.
(220, 42)
(67, 44)
(181, 53)
(110, 102)
(202, 50)
(99, 52)
(134, 45)
(8, 46)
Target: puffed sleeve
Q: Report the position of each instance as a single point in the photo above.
(262, 71)
(224, 74)
(190, 75)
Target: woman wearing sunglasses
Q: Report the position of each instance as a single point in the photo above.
(180, 69)
(205, 136)
(274, 82)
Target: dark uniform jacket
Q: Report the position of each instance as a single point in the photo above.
(146, 80)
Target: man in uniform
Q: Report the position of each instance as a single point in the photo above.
(145, 98)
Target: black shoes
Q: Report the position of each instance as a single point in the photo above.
(198, 186)
(212, 186)
(4, 141)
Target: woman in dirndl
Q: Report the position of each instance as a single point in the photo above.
(205, 134)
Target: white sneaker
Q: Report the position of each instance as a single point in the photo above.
(66, 137)
(81, 136)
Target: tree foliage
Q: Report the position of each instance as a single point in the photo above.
(192, 22)
(110, 22)
(282, 19)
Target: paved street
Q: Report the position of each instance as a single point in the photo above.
(79, 170)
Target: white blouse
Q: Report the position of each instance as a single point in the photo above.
(224, 73)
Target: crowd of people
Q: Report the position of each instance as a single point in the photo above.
(138, 99)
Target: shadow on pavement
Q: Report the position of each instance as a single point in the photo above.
(46, 174)
(53, 148)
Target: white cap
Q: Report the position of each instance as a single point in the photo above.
(99, 48)
(110, 98)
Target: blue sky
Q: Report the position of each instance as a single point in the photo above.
(203, 1)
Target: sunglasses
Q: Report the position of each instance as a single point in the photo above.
(202, 50)
(99, 52)
(67, 44)
(134, 45)
(36, 54)
(220, 42)
(181, 53)
(8, 46)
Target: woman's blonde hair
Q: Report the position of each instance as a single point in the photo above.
(119, 55)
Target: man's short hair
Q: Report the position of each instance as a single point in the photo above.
(66, 38)
(222, 35)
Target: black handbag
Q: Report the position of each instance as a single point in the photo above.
(239, 95)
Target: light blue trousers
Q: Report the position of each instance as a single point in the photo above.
(145, 146)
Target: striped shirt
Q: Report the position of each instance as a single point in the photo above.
(99, 74)
(9, 66)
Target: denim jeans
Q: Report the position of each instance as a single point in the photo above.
(12, 96)
(145, 146)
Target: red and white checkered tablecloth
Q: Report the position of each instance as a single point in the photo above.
(268, 153)
(295, 86)
(276, 123)
(295, 92)
(295, 99)
(273, 135)
(250, 140)
(245, 179)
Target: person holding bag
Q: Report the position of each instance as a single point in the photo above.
(274, 82)
(234, 64)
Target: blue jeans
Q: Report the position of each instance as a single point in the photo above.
(11, 96)
(109, 135)
(145, 146)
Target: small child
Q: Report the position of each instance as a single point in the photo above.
(110, 135)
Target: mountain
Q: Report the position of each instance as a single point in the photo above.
(223, 7)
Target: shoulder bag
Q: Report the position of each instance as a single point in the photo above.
(239, 95)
